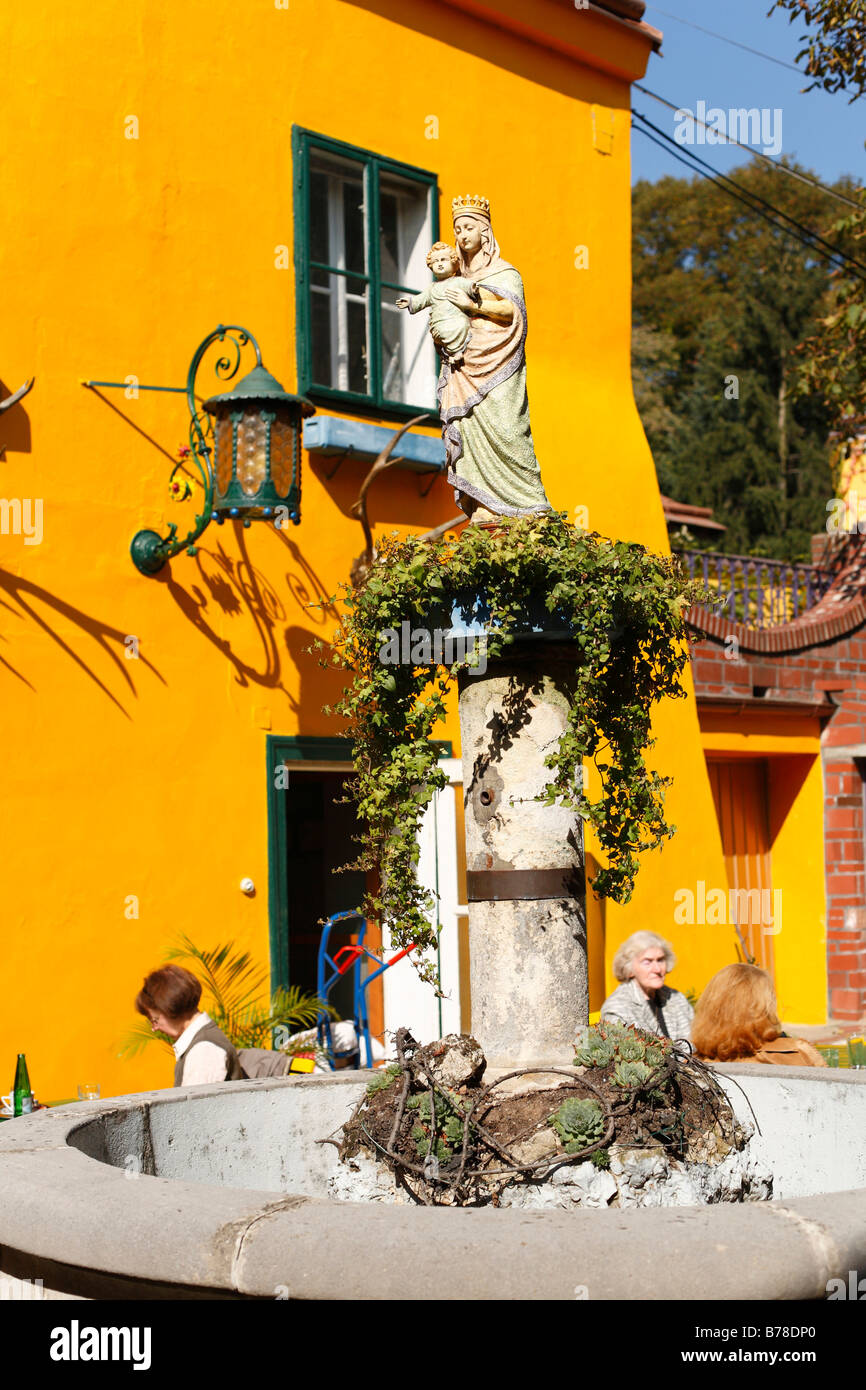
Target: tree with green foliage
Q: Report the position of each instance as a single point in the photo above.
(832, 361)
(721, 301)
(834, 51)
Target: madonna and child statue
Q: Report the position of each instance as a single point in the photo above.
(478, 324)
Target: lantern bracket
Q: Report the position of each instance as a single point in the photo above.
(434, 474)
(150, 551)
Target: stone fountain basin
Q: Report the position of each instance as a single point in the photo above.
(221, 1192)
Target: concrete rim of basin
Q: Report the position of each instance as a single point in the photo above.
(88, 1231)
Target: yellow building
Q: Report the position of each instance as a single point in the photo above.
(282, 166)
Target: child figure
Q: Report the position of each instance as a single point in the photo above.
(449, 324)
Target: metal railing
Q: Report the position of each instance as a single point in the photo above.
(757, 592)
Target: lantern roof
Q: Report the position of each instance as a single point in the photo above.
(259, 385)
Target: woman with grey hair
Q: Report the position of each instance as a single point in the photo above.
(643, 999)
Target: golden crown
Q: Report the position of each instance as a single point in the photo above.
(473, 203)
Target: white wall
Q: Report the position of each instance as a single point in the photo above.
(408, 1002)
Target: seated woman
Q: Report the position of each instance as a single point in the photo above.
(169, 998)
(736, 1021)
(643, 999)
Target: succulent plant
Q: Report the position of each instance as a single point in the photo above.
(630, 1073)
(631, 1049)
(383, 1079)
(444, 1108)
(453, 1130)
(449, 1124)
(654, 1056)
(592, 1050)
(578, 1123)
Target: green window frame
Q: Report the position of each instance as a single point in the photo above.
(373, 168)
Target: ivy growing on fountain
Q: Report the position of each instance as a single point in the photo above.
(624, 609)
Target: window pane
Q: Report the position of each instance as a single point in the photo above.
(337, 212)
(404, 230)
(318, 215)
(408, 356)
(338, 318)
(357, 357)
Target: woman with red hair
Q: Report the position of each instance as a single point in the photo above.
(736, 1021)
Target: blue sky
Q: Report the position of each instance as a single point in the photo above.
(822, 132)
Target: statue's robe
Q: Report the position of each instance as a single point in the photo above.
(485, 411)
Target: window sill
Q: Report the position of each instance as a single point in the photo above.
(362, 406)
(329, 435)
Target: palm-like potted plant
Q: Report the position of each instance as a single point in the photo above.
(234, 994)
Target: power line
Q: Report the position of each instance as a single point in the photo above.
(806, 238)
(751, 207)
(686, 160)
(734, 42)
(749, 193)
(750, 149)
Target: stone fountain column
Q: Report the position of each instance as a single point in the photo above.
(525, 864)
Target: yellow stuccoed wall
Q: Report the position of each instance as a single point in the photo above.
(147, 777)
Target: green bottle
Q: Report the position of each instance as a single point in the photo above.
(22, 1096)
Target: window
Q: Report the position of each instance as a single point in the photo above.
(363, 227)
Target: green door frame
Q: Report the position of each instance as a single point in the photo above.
(283, 750)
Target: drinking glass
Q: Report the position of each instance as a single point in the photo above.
(88, 1090)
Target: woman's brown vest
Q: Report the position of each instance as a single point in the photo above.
(210, 1033)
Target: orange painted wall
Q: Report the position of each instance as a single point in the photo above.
(147, 777)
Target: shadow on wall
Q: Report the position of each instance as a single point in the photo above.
(787, 775)
(493, 46)
(241, 613)
(596, 936)
(30, 601)
(15, 433)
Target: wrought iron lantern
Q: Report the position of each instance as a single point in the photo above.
(246, 446)
(257, 467)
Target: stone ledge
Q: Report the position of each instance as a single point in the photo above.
(197, 1239)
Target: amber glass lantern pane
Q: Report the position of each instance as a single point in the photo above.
(223, 429)
(252, 452)
(283, 444)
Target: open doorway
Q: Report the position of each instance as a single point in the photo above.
(312, 833)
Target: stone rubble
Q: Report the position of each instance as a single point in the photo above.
(455, 1060)
(636, 1178)
(716, 1167)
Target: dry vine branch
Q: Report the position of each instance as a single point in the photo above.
(471, 1163)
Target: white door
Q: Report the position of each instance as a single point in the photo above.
(408, 1002)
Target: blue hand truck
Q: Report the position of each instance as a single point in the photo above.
(331, 968)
